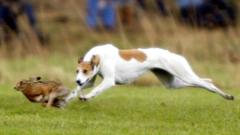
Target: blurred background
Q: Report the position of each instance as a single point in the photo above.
(46, 37)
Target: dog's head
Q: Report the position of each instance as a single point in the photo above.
(23, 84)
(86, 70)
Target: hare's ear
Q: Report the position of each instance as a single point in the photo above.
(95, 60)
(38, 78)
(80, 60)
(21, 82)
(18, 85)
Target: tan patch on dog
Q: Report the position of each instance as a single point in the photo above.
(85, 67)
(133, 54)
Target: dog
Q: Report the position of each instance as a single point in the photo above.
(48, 93)
(117, 66)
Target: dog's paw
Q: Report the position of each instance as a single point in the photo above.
(229, 97)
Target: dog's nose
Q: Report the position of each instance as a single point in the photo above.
(79, 82)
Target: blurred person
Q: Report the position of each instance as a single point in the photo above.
(208, 13)
(101, 12)
(10, 10)
(142, 4)
(189, 10)
(220, 12)
(162, 7)
(159, 3)
(125, 10)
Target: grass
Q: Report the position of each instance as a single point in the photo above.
(124, 110)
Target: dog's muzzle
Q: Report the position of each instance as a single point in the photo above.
(82, 84)
(79, 83)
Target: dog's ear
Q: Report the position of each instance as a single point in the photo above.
(80, 60)
(95, 60)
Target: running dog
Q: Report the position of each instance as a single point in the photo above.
(49, 93)
(117, 66)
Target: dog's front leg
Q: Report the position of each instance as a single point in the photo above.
(104, 85)
(74, 93)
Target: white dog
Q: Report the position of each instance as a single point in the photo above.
(124, 66)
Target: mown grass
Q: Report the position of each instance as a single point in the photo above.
(127, 109)
(121, 110)
(124, 110)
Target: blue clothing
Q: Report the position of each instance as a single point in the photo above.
(105, 14)
(125, 2)
(8, 17)
(29, 11)
(188, 3)
(92, 11)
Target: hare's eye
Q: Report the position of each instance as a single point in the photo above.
(77, 71)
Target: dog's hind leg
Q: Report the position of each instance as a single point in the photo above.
(207, 80)
(169, 80)
(212, 88)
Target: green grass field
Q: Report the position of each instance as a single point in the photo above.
(139, 109)
(124, 110)
(148, 109)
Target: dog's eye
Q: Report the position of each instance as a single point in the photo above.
(77, 71)
(84, 71)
